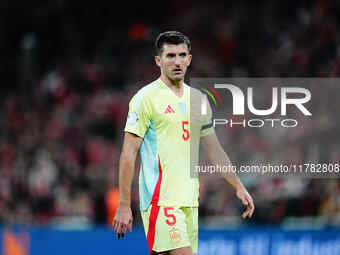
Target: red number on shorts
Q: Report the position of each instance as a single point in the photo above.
(172, 216)
(186, 134)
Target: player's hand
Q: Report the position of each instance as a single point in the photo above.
(122, 221)
(247, 200)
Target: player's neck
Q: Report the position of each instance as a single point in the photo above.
(175, 86)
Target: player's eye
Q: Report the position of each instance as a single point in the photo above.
(170, 55)
(183, 54)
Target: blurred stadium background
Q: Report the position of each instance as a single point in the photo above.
(68, 70)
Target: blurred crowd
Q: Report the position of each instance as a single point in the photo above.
(70, 70)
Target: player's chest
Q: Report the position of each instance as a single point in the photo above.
(170, 112)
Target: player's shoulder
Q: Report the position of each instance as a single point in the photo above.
(192, 89)
(149, 88)
(194, 92)
(145, 93)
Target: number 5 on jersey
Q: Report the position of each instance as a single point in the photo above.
(185, 129)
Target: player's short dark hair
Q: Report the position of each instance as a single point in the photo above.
(171, 37)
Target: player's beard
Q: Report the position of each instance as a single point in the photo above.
(178, 77)
(175, 77)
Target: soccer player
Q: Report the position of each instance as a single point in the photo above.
(159, 126)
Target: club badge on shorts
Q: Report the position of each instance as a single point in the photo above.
(175, 235)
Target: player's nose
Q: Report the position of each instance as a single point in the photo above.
(177, 61)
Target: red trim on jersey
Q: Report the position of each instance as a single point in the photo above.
(155, 196)
(199, 192)
(152, 226)
(154, 209)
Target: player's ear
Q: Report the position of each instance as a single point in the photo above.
(158, 61)
(189, 59)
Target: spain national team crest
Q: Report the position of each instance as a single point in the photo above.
(175, 235)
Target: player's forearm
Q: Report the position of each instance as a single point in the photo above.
(126, 172)
(233, 180)
(220, 158)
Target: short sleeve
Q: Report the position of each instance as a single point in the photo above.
(207, 124)
(139, 116)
